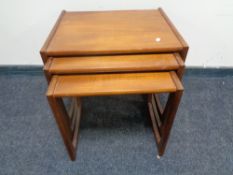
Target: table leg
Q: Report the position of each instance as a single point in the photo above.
(64, 124)
(162, 131)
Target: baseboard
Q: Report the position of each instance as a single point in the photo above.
(18, 69)
(209, 72)
(190, 71)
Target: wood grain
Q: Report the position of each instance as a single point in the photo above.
(184, 44)
(111, 32)
(120, 63)
(112, 84)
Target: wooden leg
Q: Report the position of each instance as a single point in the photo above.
(64, 125)
(163, 127)
(169, 116)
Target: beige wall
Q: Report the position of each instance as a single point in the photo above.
(206, 25)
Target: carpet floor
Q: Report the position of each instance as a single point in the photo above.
(115, 135)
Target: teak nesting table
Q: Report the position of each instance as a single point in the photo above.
(111, 53)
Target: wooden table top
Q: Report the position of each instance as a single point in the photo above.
(116, 63)
(110, 32)
(112, 84)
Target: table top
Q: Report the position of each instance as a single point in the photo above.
(110, 32)
(113, 84)
(113, 63)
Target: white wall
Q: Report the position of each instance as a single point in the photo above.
(207, 26)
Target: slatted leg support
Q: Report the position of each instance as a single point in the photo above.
(162, 130)
(69, 127)
(63, 125)
(169, 116)
(76, 117)
(162, 119)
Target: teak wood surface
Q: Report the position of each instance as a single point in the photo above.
(131, 46)
(112, 84)
(113, 32)
(117, 63)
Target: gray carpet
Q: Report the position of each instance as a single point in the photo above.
(116, 137)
